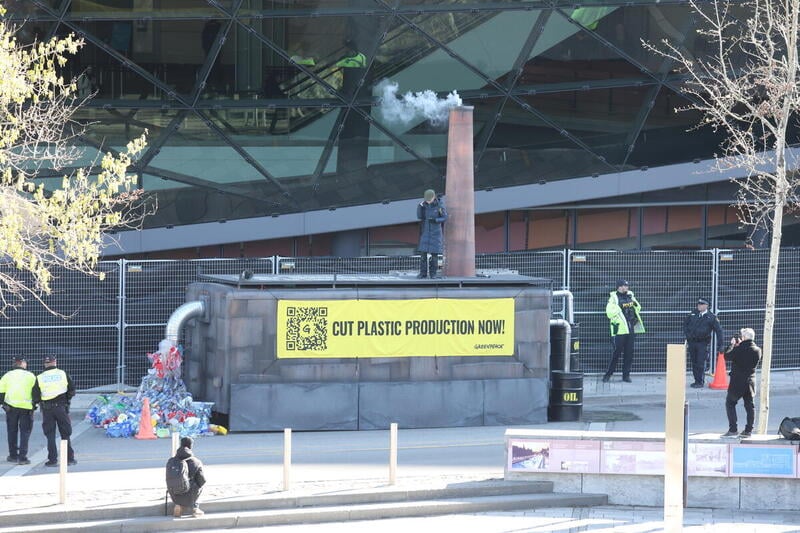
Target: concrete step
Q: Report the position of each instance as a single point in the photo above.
(280, 500)
(326, 513)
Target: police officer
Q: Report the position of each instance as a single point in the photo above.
(622, 310)
(56, 391)
(16, 394)
(697, 328)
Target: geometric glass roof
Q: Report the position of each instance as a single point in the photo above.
(264, 107)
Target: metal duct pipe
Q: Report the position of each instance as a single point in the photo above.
(569, 311)
(560, 322)
(180, 316)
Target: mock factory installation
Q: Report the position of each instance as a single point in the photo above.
(362, 351)
(171, 407)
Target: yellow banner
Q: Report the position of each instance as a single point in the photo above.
(395, 328)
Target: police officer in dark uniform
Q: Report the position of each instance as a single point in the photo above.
(55, 390)
(697, 328)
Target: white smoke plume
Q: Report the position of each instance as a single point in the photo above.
(412, 107)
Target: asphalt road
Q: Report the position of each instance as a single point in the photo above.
(326, 455)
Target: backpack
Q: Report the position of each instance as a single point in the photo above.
(790, 428)
(178, 476)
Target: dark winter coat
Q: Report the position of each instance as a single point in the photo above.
(431, 237)
(196, 478)
(698, 328)
(744, 359)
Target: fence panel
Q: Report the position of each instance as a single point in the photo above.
(153, 290)
(666, 283)
(347, 265)
(86, 342)
(548, 264)
(114, 322)
(742, 289)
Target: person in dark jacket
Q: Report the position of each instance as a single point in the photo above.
(196, 479)
(744, 357)
(432, 213)
(697, 328)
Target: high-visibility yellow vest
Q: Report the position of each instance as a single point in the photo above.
(52, 383)
(18, 385)
(619, 325)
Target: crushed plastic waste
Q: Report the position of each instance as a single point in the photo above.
(172, 408)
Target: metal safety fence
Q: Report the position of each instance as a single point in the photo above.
(107, 326)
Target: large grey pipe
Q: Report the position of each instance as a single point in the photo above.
(561, 323)
(569, 311)
(180, 316)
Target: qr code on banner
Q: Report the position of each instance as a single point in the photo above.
(307, 328)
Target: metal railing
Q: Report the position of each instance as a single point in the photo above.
(113, 323)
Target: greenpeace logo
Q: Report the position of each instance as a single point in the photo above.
(488, 346)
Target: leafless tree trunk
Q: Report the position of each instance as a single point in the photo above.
(748, 88)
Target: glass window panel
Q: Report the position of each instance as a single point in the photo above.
(518, 231)
(606, 225)
(400, 239)
(548, 229)
(601, 119)
(154, 183)
(337, 50)
(404, 3)
(478, 43)
(20, 11)
(368, 166)
(285, 141)
(122, 9)
(525, 149)
(171, 52)
(672, 227)
(408, 58)
(666, 126)
(194, 149)
(283, 247)
(116, 127)
(179, 204)
(490, 233)
(298, 7)
(565, 56)
(626, 27)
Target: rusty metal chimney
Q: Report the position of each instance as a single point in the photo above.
(459, 234)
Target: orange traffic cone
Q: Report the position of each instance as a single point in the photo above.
(145, 424)
(721, 375)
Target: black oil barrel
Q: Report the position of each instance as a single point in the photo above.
(557, 355)
(566, 396)
(574, 357)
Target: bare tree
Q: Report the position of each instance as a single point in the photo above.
(746, 85)
(60, 226)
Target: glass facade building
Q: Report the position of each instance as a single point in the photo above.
(263, 108)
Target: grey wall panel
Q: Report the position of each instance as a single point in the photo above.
(421, 404)
(509, 402)
(300, 406)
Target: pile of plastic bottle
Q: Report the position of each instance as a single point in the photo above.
(172, 408)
